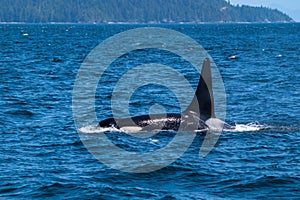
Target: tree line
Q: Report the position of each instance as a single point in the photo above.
(134, 11)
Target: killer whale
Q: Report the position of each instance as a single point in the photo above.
(198, 116)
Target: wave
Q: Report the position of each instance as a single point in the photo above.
(249, 127)
(238, 127)
(254, 126)
(97, 129)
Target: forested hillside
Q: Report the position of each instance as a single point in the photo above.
(134, 11)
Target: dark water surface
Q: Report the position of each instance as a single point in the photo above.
(41, 154)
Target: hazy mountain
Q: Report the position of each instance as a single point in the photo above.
(134, 11)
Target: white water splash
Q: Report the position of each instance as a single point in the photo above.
(153, 141)
(250, 127)
(96, 129)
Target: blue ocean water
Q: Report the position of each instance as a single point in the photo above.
(42, 155)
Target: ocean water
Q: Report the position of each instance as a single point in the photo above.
(43, 156)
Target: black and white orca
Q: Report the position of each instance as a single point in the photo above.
(199, 115)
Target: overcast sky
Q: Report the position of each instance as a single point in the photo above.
(290, 7)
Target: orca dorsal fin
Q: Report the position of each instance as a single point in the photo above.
(204, 99)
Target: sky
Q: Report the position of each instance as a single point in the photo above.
(290, 7)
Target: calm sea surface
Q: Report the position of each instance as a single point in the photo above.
(42, 156)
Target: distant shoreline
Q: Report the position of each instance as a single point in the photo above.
(137, 12)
